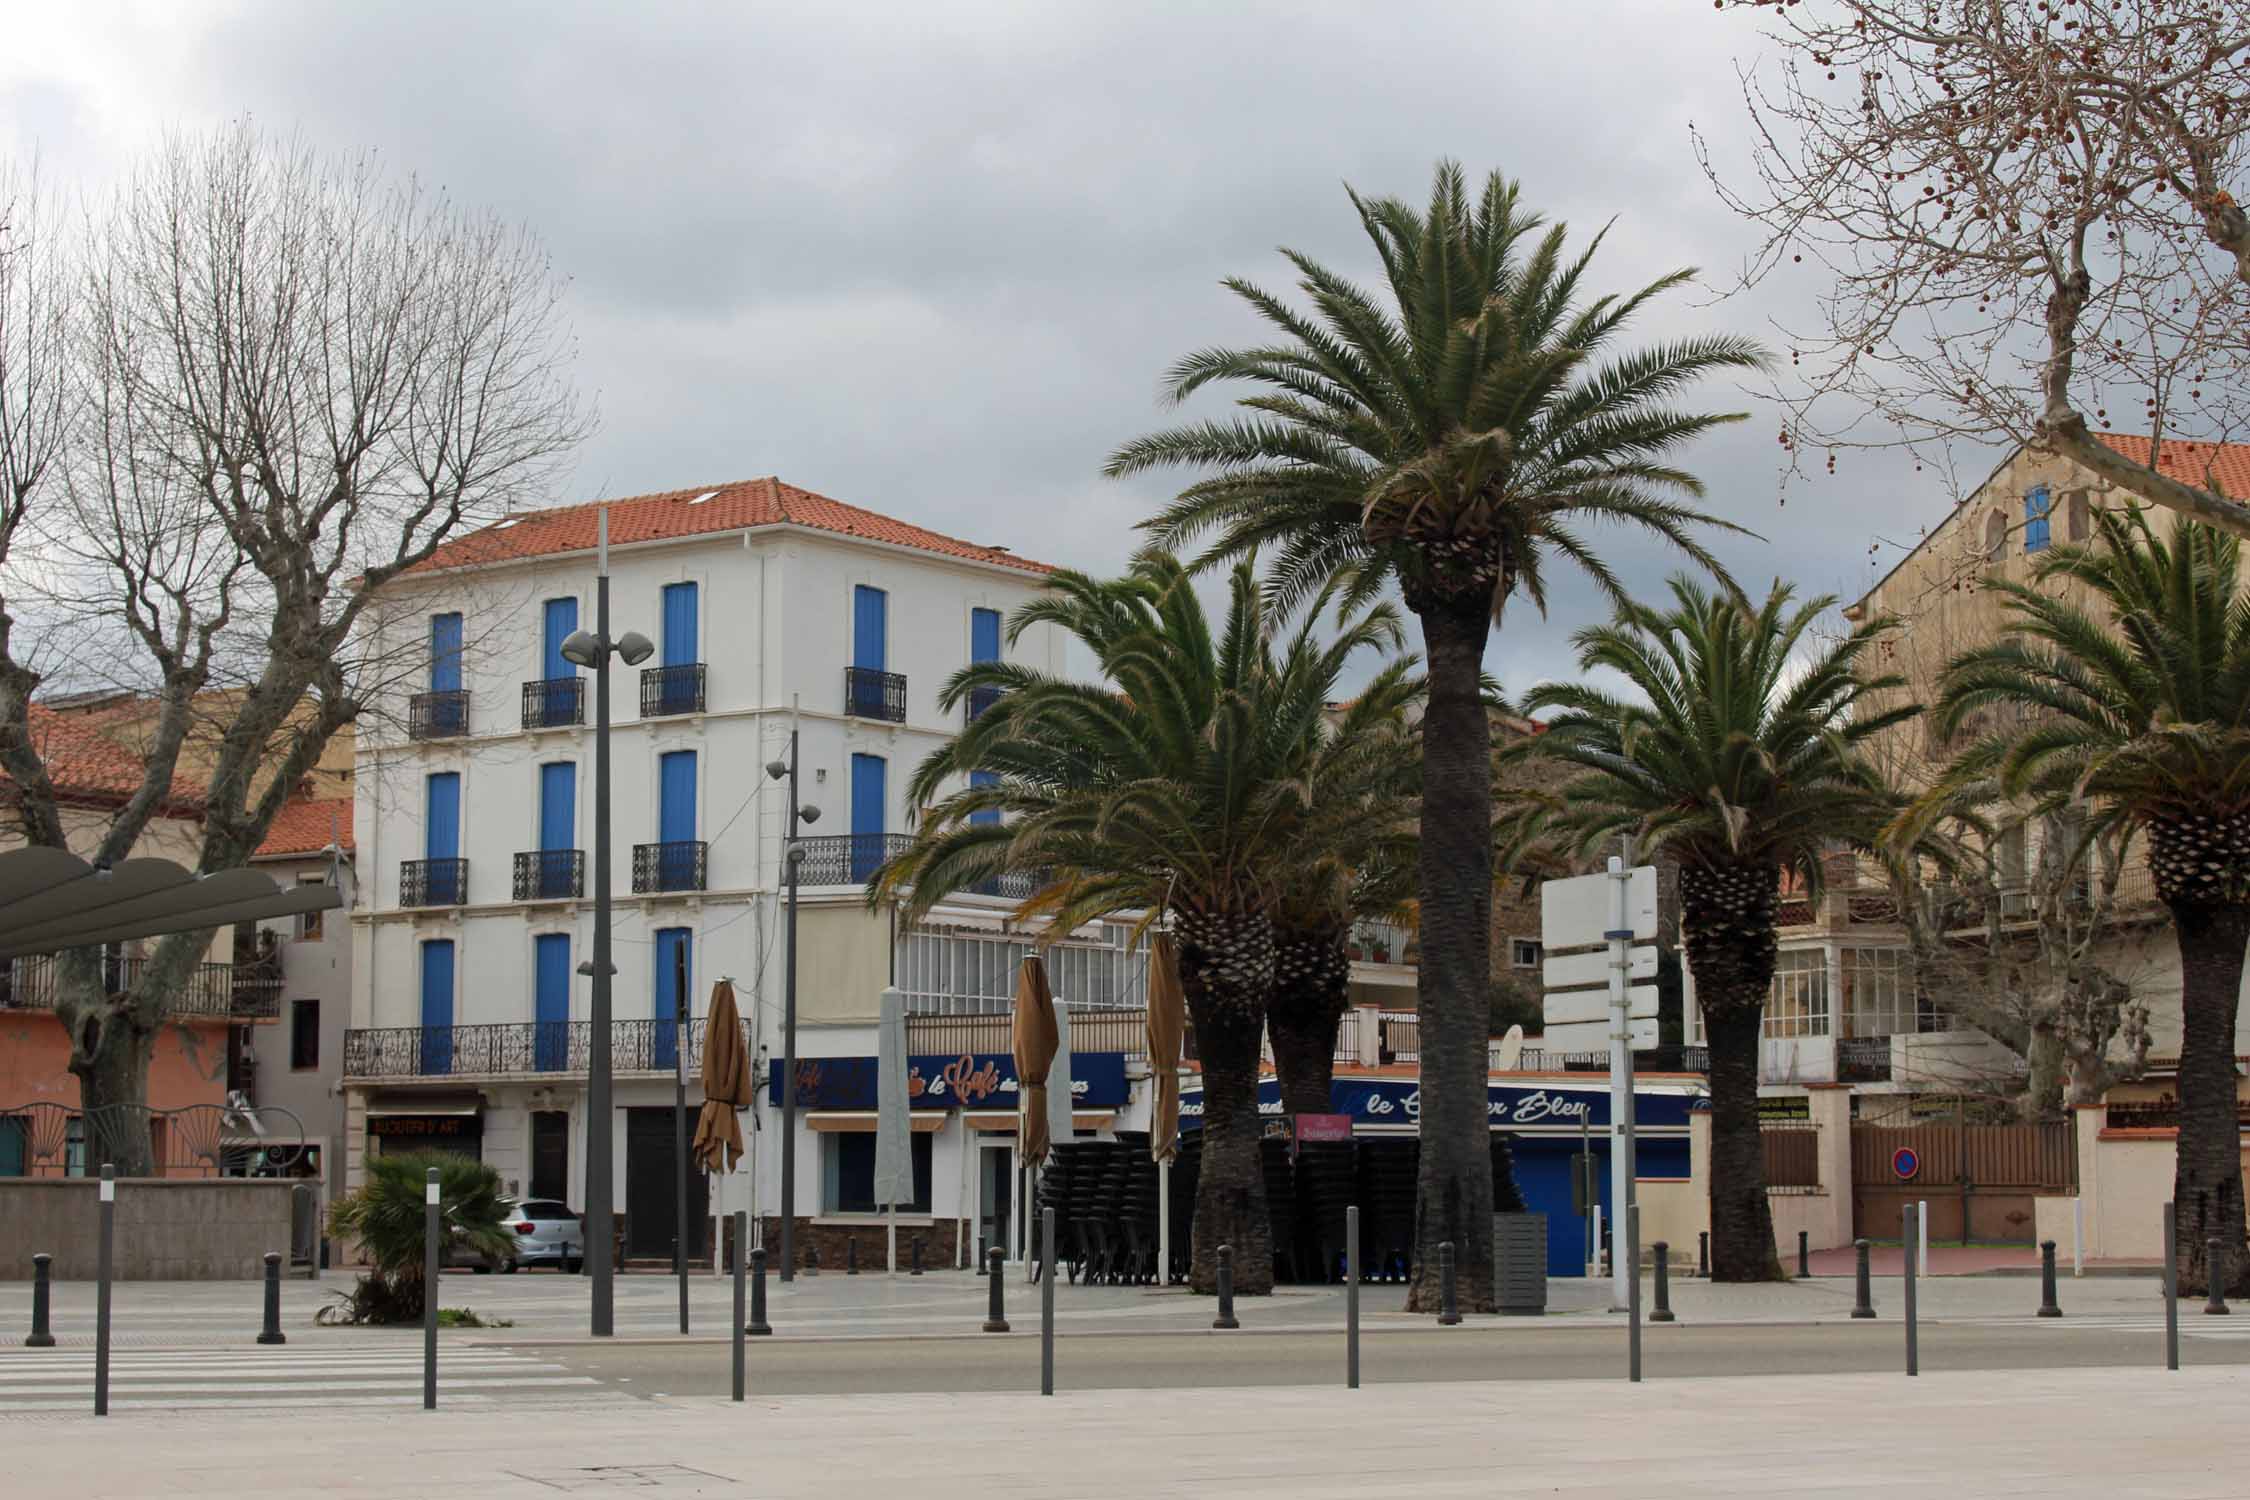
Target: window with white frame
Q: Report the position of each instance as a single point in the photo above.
(1878, 991)
(1524, 953)
(964, 971)
(1798, 1003)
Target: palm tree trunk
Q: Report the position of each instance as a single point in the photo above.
(1727, 927)
(1312, 988)
(1454, 1193)
(1226, 971)
(2207, 1172)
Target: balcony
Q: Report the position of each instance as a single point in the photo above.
(666, 691)
(980, 700)
(437, 716)
(433, 882)
(1092, 1029)
(516, 1049)
(550, 874)
(554, 703)
(677, 866)
(847, 858)
(237, 992)
(1016, 885)
(869, 694)
(1863, 1059)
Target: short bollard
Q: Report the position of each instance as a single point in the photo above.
(812, 1259)
(42, 1336)
(2048, 1306)
(1804, 1254)
(271, 1333)
(996, 1315)
(2171, 1289)
(851, 1257)
(741, 1264)
(1351, 1297)
(1913, 1351)
(983, 1251)
(917, 1248)
(1863, 1293)
(1703, 1253)
(1662, 1312)
(1225, 1319)
(1046, 1303)
(430, 1273)
(2215, 1275)
(1449, 1305)
(102, 1262)
(759, 1327)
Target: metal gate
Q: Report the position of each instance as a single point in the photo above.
(1978, 1175)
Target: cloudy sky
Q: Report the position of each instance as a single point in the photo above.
(931, 258)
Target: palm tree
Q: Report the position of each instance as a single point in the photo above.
(2134, 715)
(1353, 858)
(1744, 763)
(1457, 438)
(1173, 789)
(383, 1215)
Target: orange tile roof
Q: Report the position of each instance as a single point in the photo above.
(305, 826)
(731, 507)
(86, 766)
(2227, 464)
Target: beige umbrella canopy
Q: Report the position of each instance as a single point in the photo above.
(726, 1085)
(1167, 1025)
(1035, 1042)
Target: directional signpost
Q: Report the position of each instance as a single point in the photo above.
(1600, 981)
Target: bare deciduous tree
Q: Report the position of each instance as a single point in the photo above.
(2026, 208)
(290, 378)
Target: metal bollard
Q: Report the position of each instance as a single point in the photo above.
(42, 1335)
(1046, 1304)
(1225, 1319)
(851, 1257)
(102, 1263)
(1804, 1254)
(812, 1258)
(1633, 1292)
(2171, 1289)
(1351, 1297)
(741, 1264)
(1863, 1293)
(271, 1333)
(983, 1251)
(996, 1315)
(1662, 1312)
(2215, 1275)
(1913, 1352)
(1449, 1304)
(759, 1327)
(430, 1268)
(2048, 1306)
(917, 1249)
(1703, 1253)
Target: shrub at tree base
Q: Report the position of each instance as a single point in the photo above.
(385, 1215)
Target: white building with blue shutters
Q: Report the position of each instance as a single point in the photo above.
(771, 609)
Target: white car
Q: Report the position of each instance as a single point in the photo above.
(547, 1233)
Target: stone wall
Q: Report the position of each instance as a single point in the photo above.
(167, 1229)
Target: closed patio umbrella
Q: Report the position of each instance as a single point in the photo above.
(1035, 1041)
(1167, 1025)
(726, 1085)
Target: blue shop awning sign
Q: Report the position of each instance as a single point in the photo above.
(1398, 1101)
(968, 1080)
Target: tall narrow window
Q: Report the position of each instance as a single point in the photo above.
(870, 628)
(445, 653)
(673, 982)
(550, 967)
(870, 802)
(304, 1034)
(984, 635)
(680, 643)
(559, 623)
(437, 1007)
(2035, 508)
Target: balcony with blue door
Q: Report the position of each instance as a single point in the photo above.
(554, 703)
(550, 874)
(872, 694)
(437, 716)
(668, 691)
(433, 882)
(679, 865)
(847, 858)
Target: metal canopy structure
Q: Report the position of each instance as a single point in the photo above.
(51, 899)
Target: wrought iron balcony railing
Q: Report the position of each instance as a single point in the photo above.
(869, 694)
(672, 690)
(1016, 885)
(517, 1048)
(1863, 1059)
(243, 992)
(433, 882)
(554, 703)
(677, 866)
(437, 716)
(847, 858)
(981, 699)
(550, 874)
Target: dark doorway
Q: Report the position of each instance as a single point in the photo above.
(550, 1154)
(651, 1177)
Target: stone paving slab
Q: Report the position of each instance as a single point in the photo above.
(1836, 1438)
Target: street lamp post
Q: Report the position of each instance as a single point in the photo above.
(595, 651)
(793, 856)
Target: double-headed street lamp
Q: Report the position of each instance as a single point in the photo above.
(594, 651)
(792, 857)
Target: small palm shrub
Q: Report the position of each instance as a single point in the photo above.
(384, 1214)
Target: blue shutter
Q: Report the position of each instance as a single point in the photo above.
(679, 625)
(870, 627)
(551, 1013)
(442, 812)
(437, 1007)
(561, 621)
(558, 805)
(2035, 508)
(672, 953)
(984, 778)
(445, 653)
(675, 817)
(869, 804)
(984, 635)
